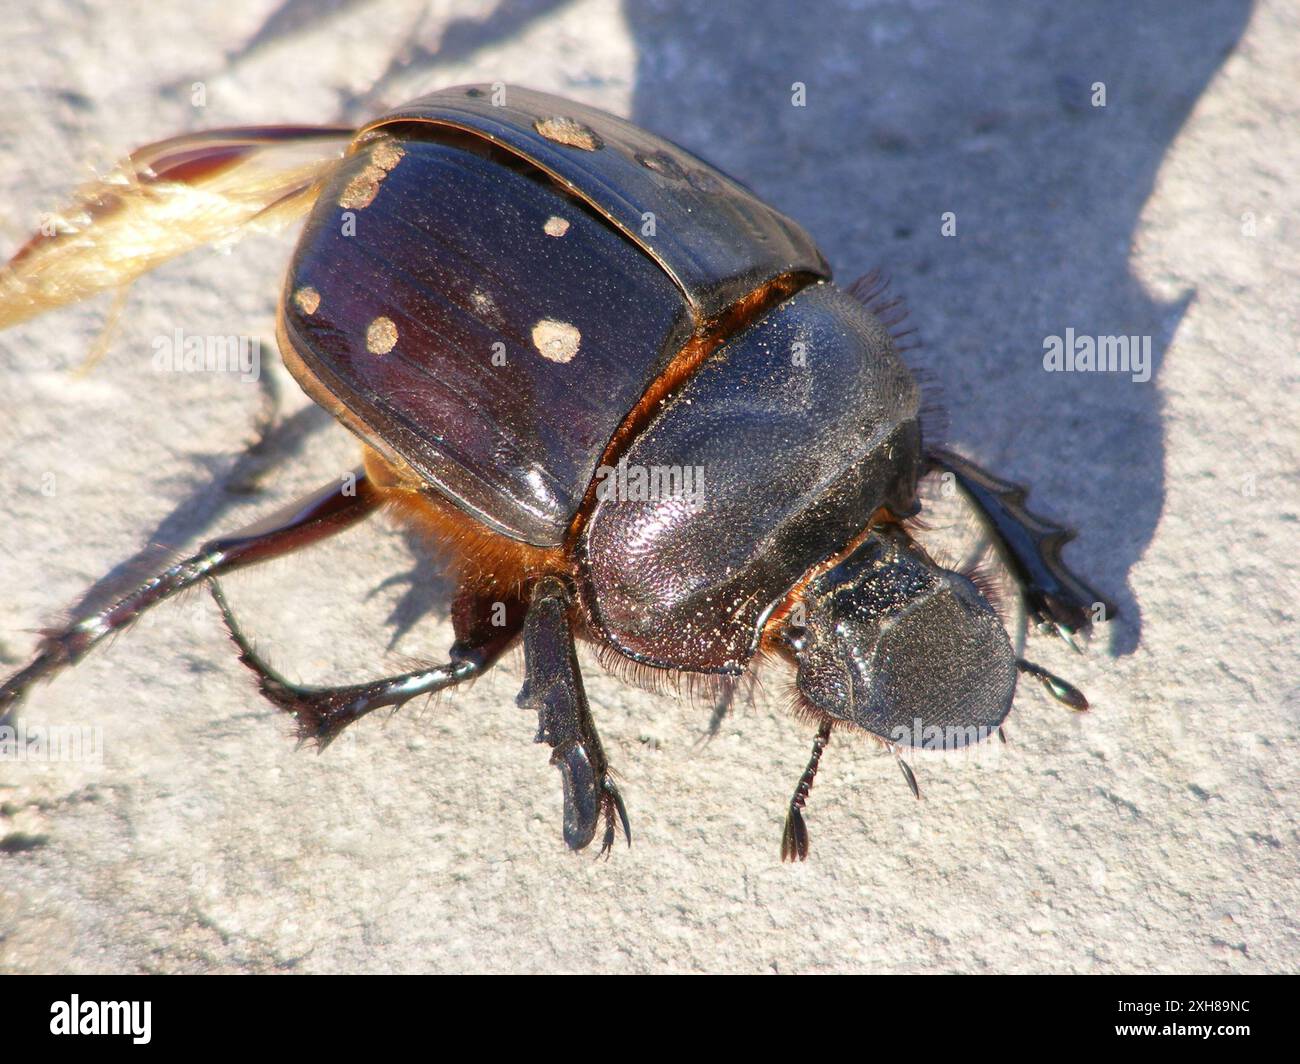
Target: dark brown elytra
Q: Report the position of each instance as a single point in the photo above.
(623, 400)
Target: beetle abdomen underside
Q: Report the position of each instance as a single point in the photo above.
(794, 433)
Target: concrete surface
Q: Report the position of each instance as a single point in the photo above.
(1156, 833)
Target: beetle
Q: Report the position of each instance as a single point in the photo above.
(623, 399)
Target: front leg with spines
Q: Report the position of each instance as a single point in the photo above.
(1055, 599)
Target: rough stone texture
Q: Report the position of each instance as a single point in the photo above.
(1158, 832)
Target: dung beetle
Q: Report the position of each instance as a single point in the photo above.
(623, 400)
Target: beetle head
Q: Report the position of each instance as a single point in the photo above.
(901, 647)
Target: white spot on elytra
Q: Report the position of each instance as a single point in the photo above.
(381, 336)
(565, 130)
(307, 299)
(556, 226)
(556, 340)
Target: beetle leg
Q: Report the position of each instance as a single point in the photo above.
(323, 712)
(163, 200)
(908, 775)
(1056, 599)
(330, 510)
(1062, 690)
(794, 841)
(553, 687)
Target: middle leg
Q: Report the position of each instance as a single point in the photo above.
(484, 628)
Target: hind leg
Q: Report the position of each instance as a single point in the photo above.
(297, 525)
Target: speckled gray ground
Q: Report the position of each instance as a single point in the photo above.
(1158, 832)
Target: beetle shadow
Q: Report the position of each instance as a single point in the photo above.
(428, 589)
(991, 112)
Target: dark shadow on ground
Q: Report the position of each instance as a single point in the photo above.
(986, 111)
